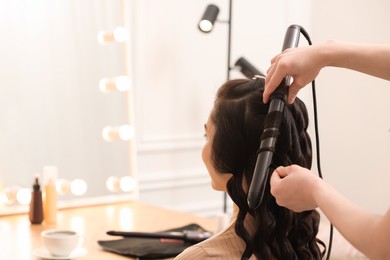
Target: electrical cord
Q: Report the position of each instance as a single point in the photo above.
(317, 138)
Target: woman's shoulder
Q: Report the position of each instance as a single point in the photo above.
(224, 245)
(193, 252)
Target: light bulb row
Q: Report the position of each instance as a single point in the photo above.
(120, 83)
(113, 133)
(77, 187)
(125, 184)
(119, 34)
(15, 193)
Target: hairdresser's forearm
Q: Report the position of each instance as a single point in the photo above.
(367, 232)
(372, 59)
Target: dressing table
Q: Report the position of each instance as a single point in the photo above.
(19, 238)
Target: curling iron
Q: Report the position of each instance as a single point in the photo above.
(187, 235)
(272, 123)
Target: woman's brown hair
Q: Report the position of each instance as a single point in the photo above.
(238, 116)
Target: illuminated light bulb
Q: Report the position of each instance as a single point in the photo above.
(126, 132)
(9, 195)
(121, 34)
(127, 183)
(107, 85)
(78, 187)
(23, 196)
(205, 26)
(3, 198)
(112, 184)
(122, 83)
(104, 37)
(110, 134)
(63, 187)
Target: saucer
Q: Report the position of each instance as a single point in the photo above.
(43, 253)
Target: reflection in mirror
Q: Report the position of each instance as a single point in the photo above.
(52, 111)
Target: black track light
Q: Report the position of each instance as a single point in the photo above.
(208, 19)
(247, 68)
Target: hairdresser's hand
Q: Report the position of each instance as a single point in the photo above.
(302, 64)
(294, 187)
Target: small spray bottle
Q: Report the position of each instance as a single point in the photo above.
(36, 205)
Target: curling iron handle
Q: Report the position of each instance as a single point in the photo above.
(186, 235)
(291, 38)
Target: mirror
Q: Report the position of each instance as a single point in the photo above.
(52, 111)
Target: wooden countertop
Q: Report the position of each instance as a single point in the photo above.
(19, 238)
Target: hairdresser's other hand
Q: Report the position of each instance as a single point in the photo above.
(294, 187)
(302, 64)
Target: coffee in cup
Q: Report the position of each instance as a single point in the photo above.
(59, 242)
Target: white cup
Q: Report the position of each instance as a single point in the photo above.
(60, 242)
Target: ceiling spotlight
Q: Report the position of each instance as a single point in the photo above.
(208, 19)
(247, 68)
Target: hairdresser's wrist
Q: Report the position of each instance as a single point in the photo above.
(317, 190)
(333, 53)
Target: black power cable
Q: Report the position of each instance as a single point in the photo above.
(317, 138)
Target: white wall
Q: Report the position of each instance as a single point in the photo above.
(177, 70)
(354, 109)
